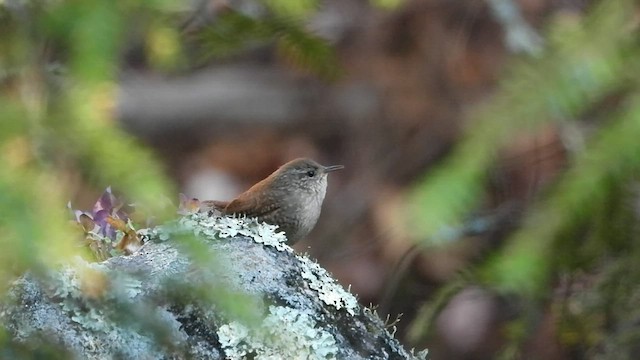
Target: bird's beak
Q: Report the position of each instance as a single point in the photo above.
(331, 168)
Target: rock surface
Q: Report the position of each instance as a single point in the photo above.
(233, 291)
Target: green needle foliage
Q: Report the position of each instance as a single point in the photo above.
(587, 61)
(59, 68)
(57, 87)
(234, 32)
(556, 88)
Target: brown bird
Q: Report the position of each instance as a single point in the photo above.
(291, 198)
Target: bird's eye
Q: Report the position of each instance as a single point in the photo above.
(311, 173)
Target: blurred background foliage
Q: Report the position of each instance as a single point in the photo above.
(58, 83)
(59, 67)
(508, 154)
(584, 84)
(585, 62)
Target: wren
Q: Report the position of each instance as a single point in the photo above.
(291, 198)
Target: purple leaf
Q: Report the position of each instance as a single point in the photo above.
(105, 202)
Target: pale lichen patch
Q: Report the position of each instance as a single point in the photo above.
(224, 227)
(284, 333)
(329, 291)
(82, 308)
(67, 287)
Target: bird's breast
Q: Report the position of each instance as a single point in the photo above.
(307, 212)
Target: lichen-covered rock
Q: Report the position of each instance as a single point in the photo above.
(233, 291)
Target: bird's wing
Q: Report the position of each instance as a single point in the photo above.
(251, 206)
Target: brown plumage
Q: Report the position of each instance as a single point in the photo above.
(291, 197)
